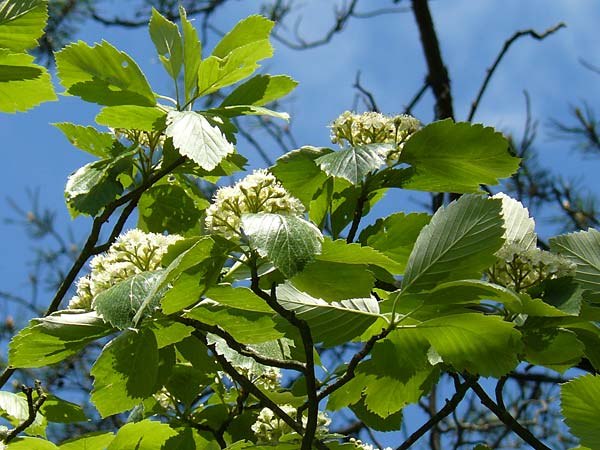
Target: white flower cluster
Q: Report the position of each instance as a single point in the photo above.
(520, 268)
(132, 253)
(372, 128)
(258, 192)
(269, 428)
(364, 446)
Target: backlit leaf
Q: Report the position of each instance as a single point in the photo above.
(580, 404)
(88, 139)
(582, 249)
(459, 242)
(144, 435)
(456, 157)
(22, 23)
(167, 41)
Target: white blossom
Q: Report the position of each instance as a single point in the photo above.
(364, 446)
(132, 253)
(520, 268)
(269, 428)
(258, 192)
(373, 128)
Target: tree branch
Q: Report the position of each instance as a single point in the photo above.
(490, 71)
(507, 419)
(33, 408)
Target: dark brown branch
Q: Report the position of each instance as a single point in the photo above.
(490, 71)
(507, 419)
(33, 408)
(437, 77)
(371, 104)
(447, 409)
(417, 97)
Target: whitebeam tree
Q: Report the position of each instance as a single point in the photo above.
(208, 303)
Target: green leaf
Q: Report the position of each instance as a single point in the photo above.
(289, 242)
(167, 41)
(459, 242)
(484, 345)
(248, 327)
(469, 291)
(340, 251)
(171, 207)
(582, 249)
(53, 338)
(132, 117)
(95, 185)
(236, 56)
(88, 139)
(333, 281)
(120, 303)
(195, 137)
(456, 157)
(391, 422)
(102, 74)
(168, 332)
(238, 297)
(299, 173)
(580, 403)
(15, 408)
(58, 410)
(192, 55)
(520, 228)
(22, 23)
(260, 90)
(331, 323)
(247, 110)
(31, 443)
(23, 84)
(144, 435)
(557, 349)
(395, 236)
(354, 163)
(91, 441)
(193, 272)
(126, 372)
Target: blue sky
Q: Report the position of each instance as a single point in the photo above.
(386, 50)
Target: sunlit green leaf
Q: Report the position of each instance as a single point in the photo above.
(395, 236)
(582, 249)
(580, 403)
(87, 138)
(102, 74)
(195, 137)
(144, 435)
(167, 41)
(557, 349)
(133, 117)
(91, 441)
(126, 372)
(331, 323)
(23, 84)
(22, 23)
(459, 242)
(31, 443)
(456, 157)
(289, 242)
(478, 344)
(62, 411)
(53, 338)
(260, 90)
(192, 55)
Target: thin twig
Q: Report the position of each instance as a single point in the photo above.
(490, 71)
(507, 419)
(371, 104)
(448, 408)
(33, 408)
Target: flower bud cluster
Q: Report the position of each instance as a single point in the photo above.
(143, 138)
(258, 192)
(372, 128)
(520, 268)
(132, 253)
(269, 428)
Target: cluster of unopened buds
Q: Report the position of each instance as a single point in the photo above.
(519, 268)
(132, 253)
(270, 428)
(374, 128)
(364, 446)
(259, 192)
